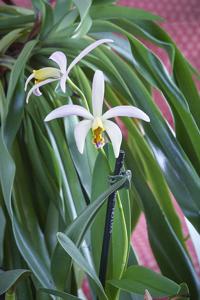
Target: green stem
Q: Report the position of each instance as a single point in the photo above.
(79, 92)
(10, 296)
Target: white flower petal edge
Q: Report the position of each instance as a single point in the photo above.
(63, 82)
(115, 135)
(97, 93)
(61, 60)
(35, 88)
(69, 110)
(37, 92)
(86, 51)
(126, 111)
(80, 132)
(27, 81)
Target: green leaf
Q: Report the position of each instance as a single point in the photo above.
(84, 163)
(170, 254)
(154, 176)
(154, 71)
(78, 228)
(59, 12)
(19, 67)
(97, 2)
(9, 38)
(119, 249)
(112, 12)
(76, 255)
(2, 232)
(8, 279)
(86, 22)
(15, 96)
(14, 10)
(15, 22)
(101, 170)
(47, 19)
(136, 279)
(61, 294)
(181, 68)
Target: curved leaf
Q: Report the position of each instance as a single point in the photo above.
(76, 255)
(8, 279)
(137, 279)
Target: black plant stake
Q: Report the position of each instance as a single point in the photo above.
(109, 222)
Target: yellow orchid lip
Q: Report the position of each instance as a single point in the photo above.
(97, 123)
(45, 73)
(98, 139)
(98, 129)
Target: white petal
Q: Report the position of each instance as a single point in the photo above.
(97, 93)
(147, 295)
(63, 82)
(80, 132)
(36, 86)
(114, 134)
(37, 92)
(126, 111)
(86, 51)
(28, 80)
(61, 60)
(69, 110)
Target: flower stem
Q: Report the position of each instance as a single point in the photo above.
(79, 92)
(109, 222)
(10, 296)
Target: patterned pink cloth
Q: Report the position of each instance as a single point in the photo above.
(182, 22)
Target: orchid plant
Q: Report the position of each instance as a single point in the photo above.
(55, 185)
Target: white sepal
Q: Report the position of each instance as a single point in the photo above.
(37, 86)
(37, 92)
(97, 93)
(80, 132)
(86, 51)
(115, 135)
(28, 80)
(125, 111)
(61, 60)
(69, 110)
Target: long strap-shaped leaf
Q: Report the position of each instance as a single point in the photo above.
(76, 255)
(10, 278)
(78, 228)
(170, 254)
(7, 168)
(137, 279)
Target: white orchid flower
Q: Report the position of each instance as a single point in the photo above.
(48, 74)
(98, 122)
